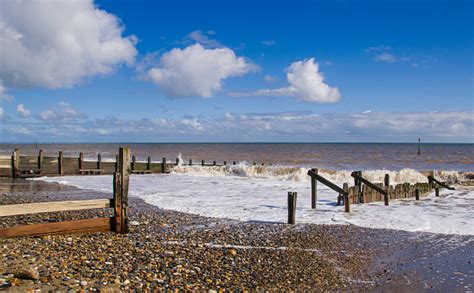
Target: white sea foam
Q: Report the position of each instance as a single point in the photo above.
(253, 193)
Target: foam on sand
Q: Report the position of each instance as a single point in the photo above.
(262, 196)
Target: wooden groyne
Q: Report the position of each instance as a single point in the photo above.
(22, 166)
(117, 223)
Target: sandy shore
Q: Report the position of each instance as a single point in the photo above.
(167, 249)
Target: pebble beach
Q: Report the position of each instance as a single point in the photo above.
(173, 250)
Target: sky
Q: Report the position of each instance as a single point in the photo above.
(236, 71)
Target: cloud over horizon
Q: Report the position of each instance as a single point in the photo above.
(305, 83)
(273, 127)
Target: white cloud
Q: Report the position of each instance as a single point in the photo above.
(20, 108)
(197, 71)
(269, 43)
(269, 78)
(3, 95)
(57, 44)
(203, 39)
(305, 83)
(385, 57)
(62, 112)
(286, 126)
(378, 48)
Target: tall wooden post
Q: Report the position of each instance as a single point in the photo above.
(417, 194)
(40, 159)
(436, 190)
(387, 188)
(116, 163)
(347, 203)
(61, 163)
(202, 163)
(15, 162)
(81, 160)
(190, 162)
(121, 183)
(163, 165)
(358, 188)
(99, 161)
(292, 207)
(314, 189)
(148, 163)
(134, 160)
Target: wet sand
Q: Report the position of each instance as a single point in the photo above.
(167, 249)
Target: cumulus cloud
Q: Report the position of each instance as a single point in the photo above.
(20, 108)
(197, 71)
(305, 83)
(57, 44)
(62, 112)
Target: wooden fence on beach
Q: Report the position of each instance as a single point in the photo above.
(117, 223)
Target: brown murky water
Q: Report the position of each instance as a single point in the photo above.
(335, 156)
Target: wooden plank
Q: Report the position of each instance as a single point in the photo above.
(326, 182)
(368, 183)
(67, 227)
(55, 206)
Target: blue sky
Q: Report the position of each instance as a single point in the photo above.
(237, 71)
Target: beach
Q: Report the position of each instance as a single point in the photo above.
(168, 249)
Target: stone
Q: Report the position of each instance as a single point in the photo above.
(24, 272)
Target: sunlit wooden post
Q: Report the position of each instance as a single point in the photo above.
(121, 183)
(292, 207)
(314, 189)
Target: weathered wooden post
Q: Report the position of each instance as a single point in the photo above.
(436, 190)
(40, 159)
(148, 163)
(314, 189)
(347, 203)
(358, 188)
(214, 163)
(121, 182)
(225, 163)
(116, 163)
(163, 165)
(81, 160)
(15, 162)
(387, 188)
(99, 161)
(202, 162)
(292, 207)
(190, 162)
(61, 163)
(177, 161)
(417, 194)
(134, 160)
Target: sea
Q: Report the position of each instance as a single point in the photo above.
(250, 191)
